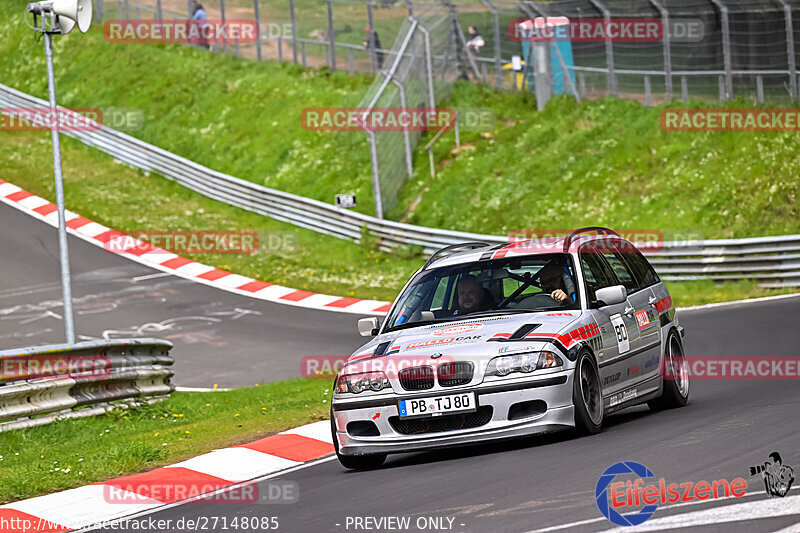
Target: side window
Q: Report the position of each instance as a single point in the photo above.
(641, 268)
(595, 272)
(622, 271)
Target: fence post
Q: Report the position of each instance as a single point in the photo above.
(331, 37)
(410, 7)
(406, 140)
(498, 60)
(760, 89)
(373, 57)
(684, 89)
(159, 11)
(376, 181)
(428, 66)
(303, 49)
(726, 48)
(119, 9)
(99, 8)
(582, 84)
(127, 11)
(612, 79)
(222, 16)
(280, 48)
(787, 10)
(258, 29)
(350, 66)
(667, 51)
(648, 98)
(294, 33)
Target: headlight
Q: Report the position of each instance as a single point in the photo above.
(522, 362)
(356, 383)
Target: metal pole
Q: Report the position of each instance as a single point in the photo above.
(667, 50)
(303, 49)
(376, 181)
(648, 98)
(790, 49)
(498, 60)
(159, 11)
(66, 284)
(294, 32)
(406, 140)
(350, 66)
(373, 58)
(258, 28)
(127, 11)
(726, 48)
(458, 138)
(331, 37)
(222, 15)
(429, 66)
(612, 80)
(684, 89)
(280, 49)
(410, 7)
(760, 89)
(99, 10)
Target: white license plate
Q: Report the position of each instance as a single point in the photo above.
(438, 405)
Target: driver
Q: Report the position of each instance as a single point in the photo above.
(553, 283)
(471, 296)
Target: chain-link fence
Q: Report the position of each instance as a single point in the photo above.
(737, 48)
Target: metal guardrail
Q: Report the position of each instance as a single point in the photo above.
(774, 261)
(42, 384)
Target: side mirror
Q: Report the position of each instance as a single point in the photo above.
(368, 327)
(611, 295)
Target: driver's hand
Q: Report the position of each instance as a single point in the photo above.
(558, 295)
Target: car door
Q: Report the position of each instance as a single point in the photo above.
(650, 326)
(643, 333)
(614, 324)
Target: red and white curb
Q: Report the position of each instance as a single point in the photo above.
(117, 498)
(165, 261)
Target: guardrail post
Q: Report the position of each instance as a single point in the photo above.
(612, 79)
(667, 52)
(258, 29)
(790, 54)
(726, 48)
(331, 36)
(294, 33)
(498, 60)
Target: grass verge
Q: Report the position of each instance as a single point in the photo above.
(73, 453)
(125, 199)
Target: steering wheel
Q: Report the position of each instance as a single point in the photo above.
(541, 299)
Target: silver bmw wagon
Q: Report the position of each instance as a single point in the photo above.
(494, 341)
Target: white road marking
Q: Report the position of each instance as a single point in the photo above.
(767, 508)
(151, 276)
(739, 302)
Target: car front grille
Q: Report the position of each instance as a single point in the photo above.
(438, 424)
(455, 373)
(416, 378)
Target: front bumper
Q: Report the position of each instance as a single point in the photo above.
(554, 389)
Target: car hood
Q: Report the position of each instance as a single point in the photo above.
(465, 337)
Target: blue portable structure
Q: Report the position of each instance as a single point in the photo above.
(559, 27)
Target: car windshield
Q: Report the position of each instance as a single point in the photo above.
(509, 285)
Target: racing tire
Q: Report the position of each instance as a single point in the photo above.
(355, 462)
(675, 392)
(587, 395)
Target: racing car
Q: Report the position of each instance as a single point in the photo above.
(490, 341)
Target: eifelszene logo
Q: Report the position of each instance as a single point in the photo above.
(620, 501)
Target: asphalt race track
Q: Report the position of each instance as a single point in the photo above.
(220, 337)
(538, 483)
(516, 486)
